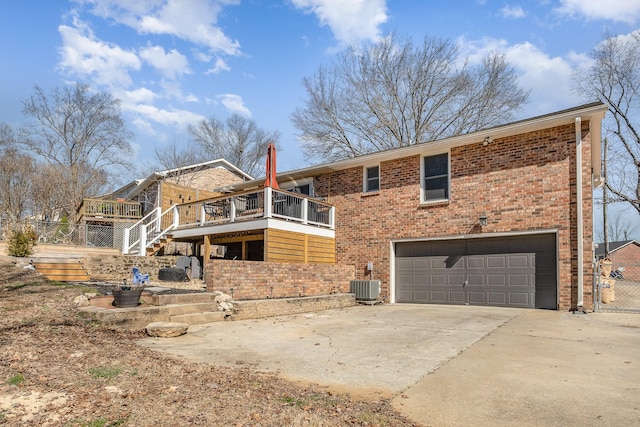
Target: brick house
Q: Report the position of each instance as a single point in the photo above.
(625, 254)
(157, 192)
(501, 216)
(180, 185)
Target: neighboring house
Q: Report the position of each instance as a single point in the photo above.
(180, 185)
(158, 192)
(623, 255)
(499, 217)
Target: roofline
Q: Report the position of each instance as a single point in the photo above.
(140, 185)
(209, 162)
(629, 242)
(594, 112)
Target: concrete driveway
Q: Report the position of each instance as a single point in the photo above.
(446, 365)
(381, 349)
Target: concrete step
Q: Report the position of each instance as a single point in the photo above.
(190, 298)
(199, 318)
(139, 317)
(184, 309)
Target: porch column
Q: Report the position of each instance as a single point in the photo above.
(268, 194)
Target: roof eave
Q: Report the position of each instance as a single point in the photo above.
(594, 112)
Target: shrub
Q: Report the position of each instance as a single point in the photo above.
(21, 243)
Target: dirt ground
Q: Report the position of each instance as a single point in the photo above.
(60, 368)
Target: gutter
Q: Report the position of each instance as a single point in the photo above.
(580, 225)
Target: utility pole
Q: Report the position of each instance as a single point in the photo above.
(605, 200)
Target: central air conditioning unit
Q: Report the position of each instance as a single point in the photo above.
(218, 251)
(365, 290)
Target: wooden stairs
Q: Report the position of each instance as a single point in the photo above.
(61, 269)
(158, 247)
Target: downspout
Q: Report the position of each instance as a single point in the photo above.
(580, 225)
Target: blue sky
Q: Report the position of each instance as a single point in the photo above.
(175, 62)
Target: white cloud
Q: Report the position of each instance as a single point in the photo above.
(85, 55)
(173, 89)
(548, 78)
(219, 67)
(234, 103)
(615, 10)
(351, 21)
(515, 12)
(171, 64)
(190, 20)
(165, 117)
(141, 95)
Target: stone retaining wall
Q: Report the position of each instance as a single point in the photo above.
(138, 318)
(114, 268)
(258, 309)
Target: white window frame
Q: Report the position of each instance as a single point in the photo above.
(289, 185)
(366, 179)
(423, 177)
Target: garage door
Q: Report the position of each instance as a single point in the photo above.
(501, 271)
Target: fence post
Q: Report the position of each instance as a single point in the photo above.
(176, 217)
(233, 209)
(125, 241)
(305, 211)
(143, 240)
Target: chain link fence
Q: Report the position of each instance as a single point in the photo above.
(63, 233)
(618, 287)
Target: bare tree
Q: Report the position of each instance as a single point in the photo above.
(177, 156)
(6, 136)
(79, 133)
(619, 227)
(238, 140)
(393, 94)
(16, 174)
(614, 79)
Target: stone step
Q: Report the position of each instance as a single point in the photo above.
(139, 317)
(190, 298)
(199, 318)
(185, 309)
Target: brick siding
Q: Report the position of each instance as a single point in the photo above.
(523, 183)
(249, 280)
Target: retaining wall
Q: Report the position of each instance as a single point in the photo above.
(250, 280)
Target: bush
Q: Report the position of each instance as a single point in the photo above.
(21, 243)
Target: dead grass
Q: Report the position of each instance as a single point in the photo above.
(58, 367)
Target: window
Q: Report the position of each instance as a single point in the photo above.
(303, 186)
(302, 189)
(371, 179)
(435, 183)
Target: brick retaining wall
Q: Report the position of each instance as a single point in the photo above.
(250, 280)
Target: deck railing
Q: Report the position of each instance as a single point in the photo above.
(111, 209)
(251, 205)
(267, 203)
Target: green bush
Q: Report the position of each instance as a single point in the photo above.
(21, 243)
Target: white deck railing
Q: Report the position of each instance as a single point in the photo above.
(222, 210)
